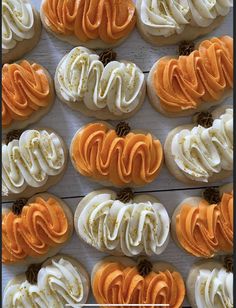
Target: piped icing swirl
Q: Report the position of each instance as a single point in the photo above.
(17, 23)
(171, 17)
(97, 152)
(114, 283)
(83, 79)
(25, 89)
(205, 230)
(128, 228)
(30, 160)
(203, 76)
(59, 283)
(202, 152)
(107, 20)
(214, 288)
(41, 225)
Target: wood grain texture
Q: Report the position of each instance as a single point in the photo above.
(65, 122)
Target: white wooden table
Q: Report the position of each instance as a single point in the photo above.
(63, 120)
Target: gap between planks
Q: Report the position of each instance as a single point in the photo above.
(136, 192)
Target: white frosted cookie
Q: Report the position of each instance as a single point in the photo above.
(35, 229)
(122, 224)
(209, 285)
(91, 23)
(167, 22)
(183, 85)
(116, 156)
(58, 281)
(27, 94)
(194, 153)
(21, 29)
(32, 163)
(210, 219)
(157, 283)
(107, 91)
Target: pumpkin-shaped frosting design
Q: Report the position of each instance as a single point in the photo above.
(59, 282)
(106, 20)
(204, 229)
(34, 229)
(203, 77)
(120, 157)
(122, 282)
(26, 91)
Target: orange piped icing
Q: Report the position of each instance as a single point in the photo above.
(205, 230)
(108, 20)
(203, 76)
(25, 89)
(98, 152)
(41, 225)
(114, 283)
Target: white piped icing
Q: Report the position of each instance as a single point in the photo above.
(202, 152)
(214, 289)
(131, 228)
(17, 23)
(169, 17)
(83, 79)
(30, 160)
(58, 284)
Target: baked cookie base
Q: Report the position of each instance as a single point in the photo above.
(23, 47)
(193, 274)
(137, 198)
(73, 40)
(171, 164)
(37, 114)
(106, 182)
(155, 100)
(157, 266)
(190, 32)
(194, 201)
(52, 180)
(84, 275)
(101, 114)
(52, 250)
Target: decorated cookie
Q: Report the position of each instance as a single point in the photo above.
(100, 86)
(32, 161)
(195, 81)
(21, 29)
(167, 22)
(202, 152)
(204, 226)
(118, 157)
(27, 94)
(35, 229)
(122, 224)
(59, 281)
(90, 23)
(210, 284)
(120, 280)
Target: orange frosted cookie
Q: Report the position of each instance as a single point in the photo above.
(116, 156)
(122, 281)
(194, 82)
(91, 23)
(35, 229)
(204, 227)
(27, 94)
